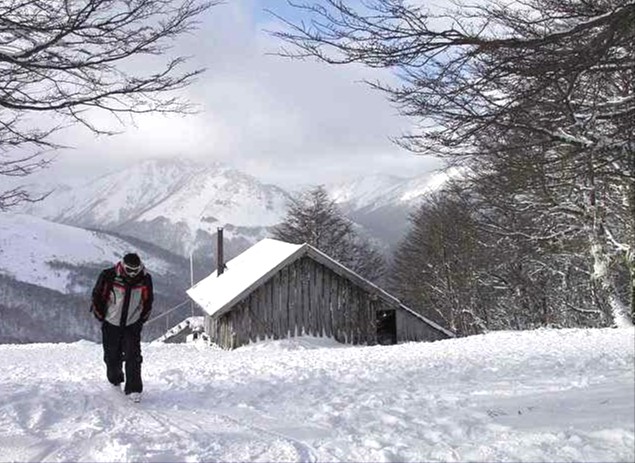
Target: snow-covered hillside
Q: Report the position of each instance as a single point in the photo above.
(32, 249)
(381, 191)
(511, 396)
(367, 191)
(181, 191)
(115, 198)
(382, 204)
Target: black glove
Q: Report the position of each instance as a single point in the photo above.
(98, 312)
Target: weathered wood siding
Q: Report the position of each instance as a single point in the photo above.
(308, 298)
(304, 298)
(412, 328)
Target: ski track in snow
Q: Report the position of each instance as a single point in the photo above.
(545, 395)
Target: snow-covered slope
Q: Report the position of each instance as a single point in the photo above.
(32, 249)
(221, 195)
(367, 191)
(524, 396)
(115, 198)
(379, 191)
(169, 202)
(383, 203)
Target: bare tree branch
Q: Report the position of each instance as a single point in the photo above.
(67, 57)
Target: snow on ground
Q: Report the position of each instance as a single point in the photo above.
(545, 395)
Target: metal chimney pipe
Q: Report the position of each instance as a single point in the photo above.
(220, 259)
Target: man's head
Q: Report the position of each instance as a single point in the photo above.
(132, 265)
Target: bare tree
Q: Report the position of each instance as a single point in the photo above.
(435, 266)
(548, 78)
(475, 262)
(313, 218)
(67, 58)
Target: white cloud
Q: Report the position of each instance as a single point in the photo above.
(286, 121)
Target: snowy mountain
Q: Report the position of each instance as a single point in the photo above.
(544, 395)
(364, 192)
(377, 191)
(179, 205)
(48, 269)
(172, 203)
(382, 203)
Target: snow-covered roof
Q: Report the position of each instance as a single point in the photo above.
(247, 271)
(242, 274)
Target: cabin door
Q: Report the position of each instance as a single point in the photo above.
(386, 327)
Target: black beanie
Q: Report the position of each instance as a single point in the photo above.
(131, 260)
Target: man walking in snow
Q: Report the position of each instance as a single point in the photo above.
(122, 301)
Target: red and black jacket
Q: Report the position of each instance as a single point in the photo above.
(121, 300)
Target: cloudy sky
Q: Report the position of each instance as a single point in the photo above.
(284, 121)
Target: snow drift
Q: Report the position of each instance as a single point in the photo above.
(545, 395)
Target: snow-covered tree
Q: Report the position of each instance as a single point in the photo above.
(435, 268)
(473, 264)
(544, 79)
(314, 218)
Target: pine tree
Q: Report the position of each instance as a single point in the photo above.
(313, 218)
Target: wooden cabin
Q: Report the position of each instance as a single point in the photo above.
(276, 290)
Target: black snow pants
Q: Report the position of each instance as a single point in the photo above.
(123, 345)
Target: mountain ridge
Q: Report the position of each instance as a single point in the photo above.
(385, 210)
(176, 204)
(179, 204)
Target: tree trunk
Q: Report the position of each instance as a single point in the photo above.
(632, 274)
(601, 267)
(602, 275)
(630, 254)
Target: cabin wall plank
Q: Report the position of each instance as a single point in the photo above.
(319, 302)
(306, 296)
(326, 298)
(284, 302)
(293, 299)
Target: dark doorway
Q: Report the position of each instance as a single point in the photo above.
(386, 327)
